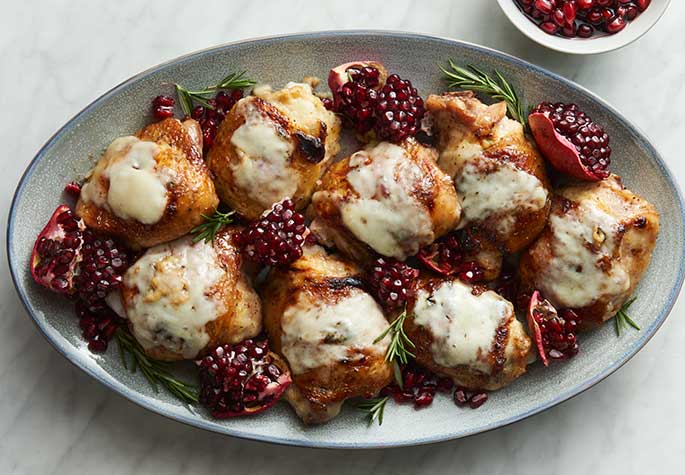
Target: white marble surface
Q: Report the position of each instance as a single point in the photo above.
(57, 56)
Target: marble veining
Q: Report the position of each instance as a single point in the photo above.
(58, 56)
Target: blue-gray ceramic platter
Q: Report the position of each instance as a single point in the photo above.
(70, 153)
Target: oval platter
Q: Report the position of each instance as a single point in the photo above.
(71, 152)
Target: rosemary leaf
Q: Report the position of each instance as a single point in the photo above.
(156, 372)
(188, 98)
(374, 409)
(207, 231)
(473, 79)
(622, 320)
(398, 350)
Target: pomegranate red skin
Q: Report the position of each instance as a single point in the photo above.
(338, 75)
(556, 148)
(53, 230)
(534, 328)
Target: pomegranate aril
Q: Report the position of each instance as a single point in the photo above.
(163, 107)
(616, 24)
(474, 399)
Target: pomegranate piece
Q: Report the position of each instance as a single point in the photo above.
(398, 110)
(101, 269)
(450, 255)
(73, 189)
(367, 73)
(537, 306)
(242, 379)
(277, 237)
(463, 397)
(98, 324)
(393, 282)
(56, 252)
(554, 332)
(355, 86)
(163, 107)
(419, 386)
(571, 141)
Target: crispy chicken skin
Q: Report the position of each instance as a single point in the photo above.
(324, 324)
(189, 191)
(182, 298)
(273, 145)
(387, 199)
(498, 173)
(468, 334)
(595, 249)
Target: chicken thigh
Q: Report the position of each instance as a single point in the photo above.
(498, 174)
(182, 298)
(388, 199)
(150, 188)
(593, 252)
(468, 334)
(319, 318)
(273, 145)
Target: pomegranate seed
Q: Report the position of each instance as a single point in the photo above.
(615, 25)
(544, 6)
(163, 107)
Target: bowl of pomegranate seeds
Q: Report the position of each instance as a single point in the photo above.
(584, 26)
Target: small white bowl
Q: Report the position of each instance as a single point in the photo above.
(599, 44)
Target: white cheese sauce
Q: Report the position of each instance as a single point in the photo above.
(137, 185)
(297, 101)
(263, 171)
(386, 215)
(320, 334)
(175, 296)
(462, 324)
(489, 187)
(584, 241)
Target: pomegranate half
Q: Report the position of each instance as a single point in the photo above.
(242, 379)
(57, 251)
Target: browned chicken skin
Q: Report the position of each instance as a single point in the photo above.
(470, 335)
(273, 145)
(499, 175)
(181, 192)
(182, 298)
(388, 199)
(321, 321)
(595, 249)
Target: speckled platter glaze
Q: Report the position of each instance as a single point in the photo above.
(71, 152)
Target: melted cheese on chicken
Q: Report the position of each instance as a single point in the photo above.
(491, 187)
(128, 182)
(463, 325)
(264, 150)
(582, 269)
(175, 296)
(386, 215)
(318, 334)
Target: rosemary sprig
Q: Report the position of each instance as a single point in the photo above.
(398, 350)
(187, 97)
(622, 319)
(374, 409)
(154, 371)
(473, 79)
(207, 231)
